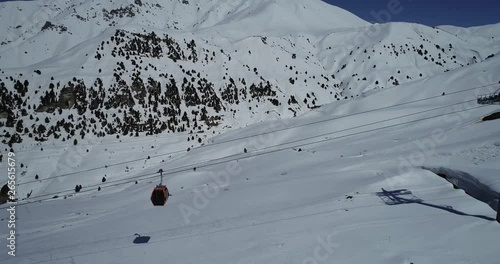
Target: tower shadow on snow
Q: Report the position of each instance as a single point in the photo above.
(404, 196)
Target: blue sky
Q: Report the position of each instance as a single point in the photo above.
(463, 13)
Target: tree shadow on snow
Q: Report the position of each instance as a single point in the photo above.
(141, 239)
(405, 196)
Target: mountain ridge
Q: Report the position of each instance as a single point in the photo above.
(132, 79)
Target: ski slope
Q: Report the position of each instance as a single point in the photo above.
(76, 70)
(357, 195)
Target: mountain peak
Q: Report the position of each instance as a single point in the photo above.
(280, 17)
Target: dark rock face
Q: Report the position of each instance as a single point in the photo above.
(128, 11)
(4, 194)
(49, 26)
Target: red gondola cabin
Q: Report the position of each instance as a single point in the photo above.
(160, 195)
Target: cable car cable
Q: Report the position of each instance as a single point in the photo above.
(260, 134)
(240, 156)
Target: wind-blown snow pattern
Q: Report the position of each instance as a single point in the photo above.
(288, 132)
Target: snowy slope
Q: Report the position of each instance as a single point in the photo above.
(487, 31)
(358, 196)
(378, 111)
(86, 19)
(134, 68)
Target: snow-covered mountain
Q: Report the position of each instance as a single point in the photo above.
(81, 69)
(288, 131)
(358, 195)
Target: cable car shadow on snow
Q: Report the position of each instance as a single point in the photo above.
(141, 239)
(404, 196)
